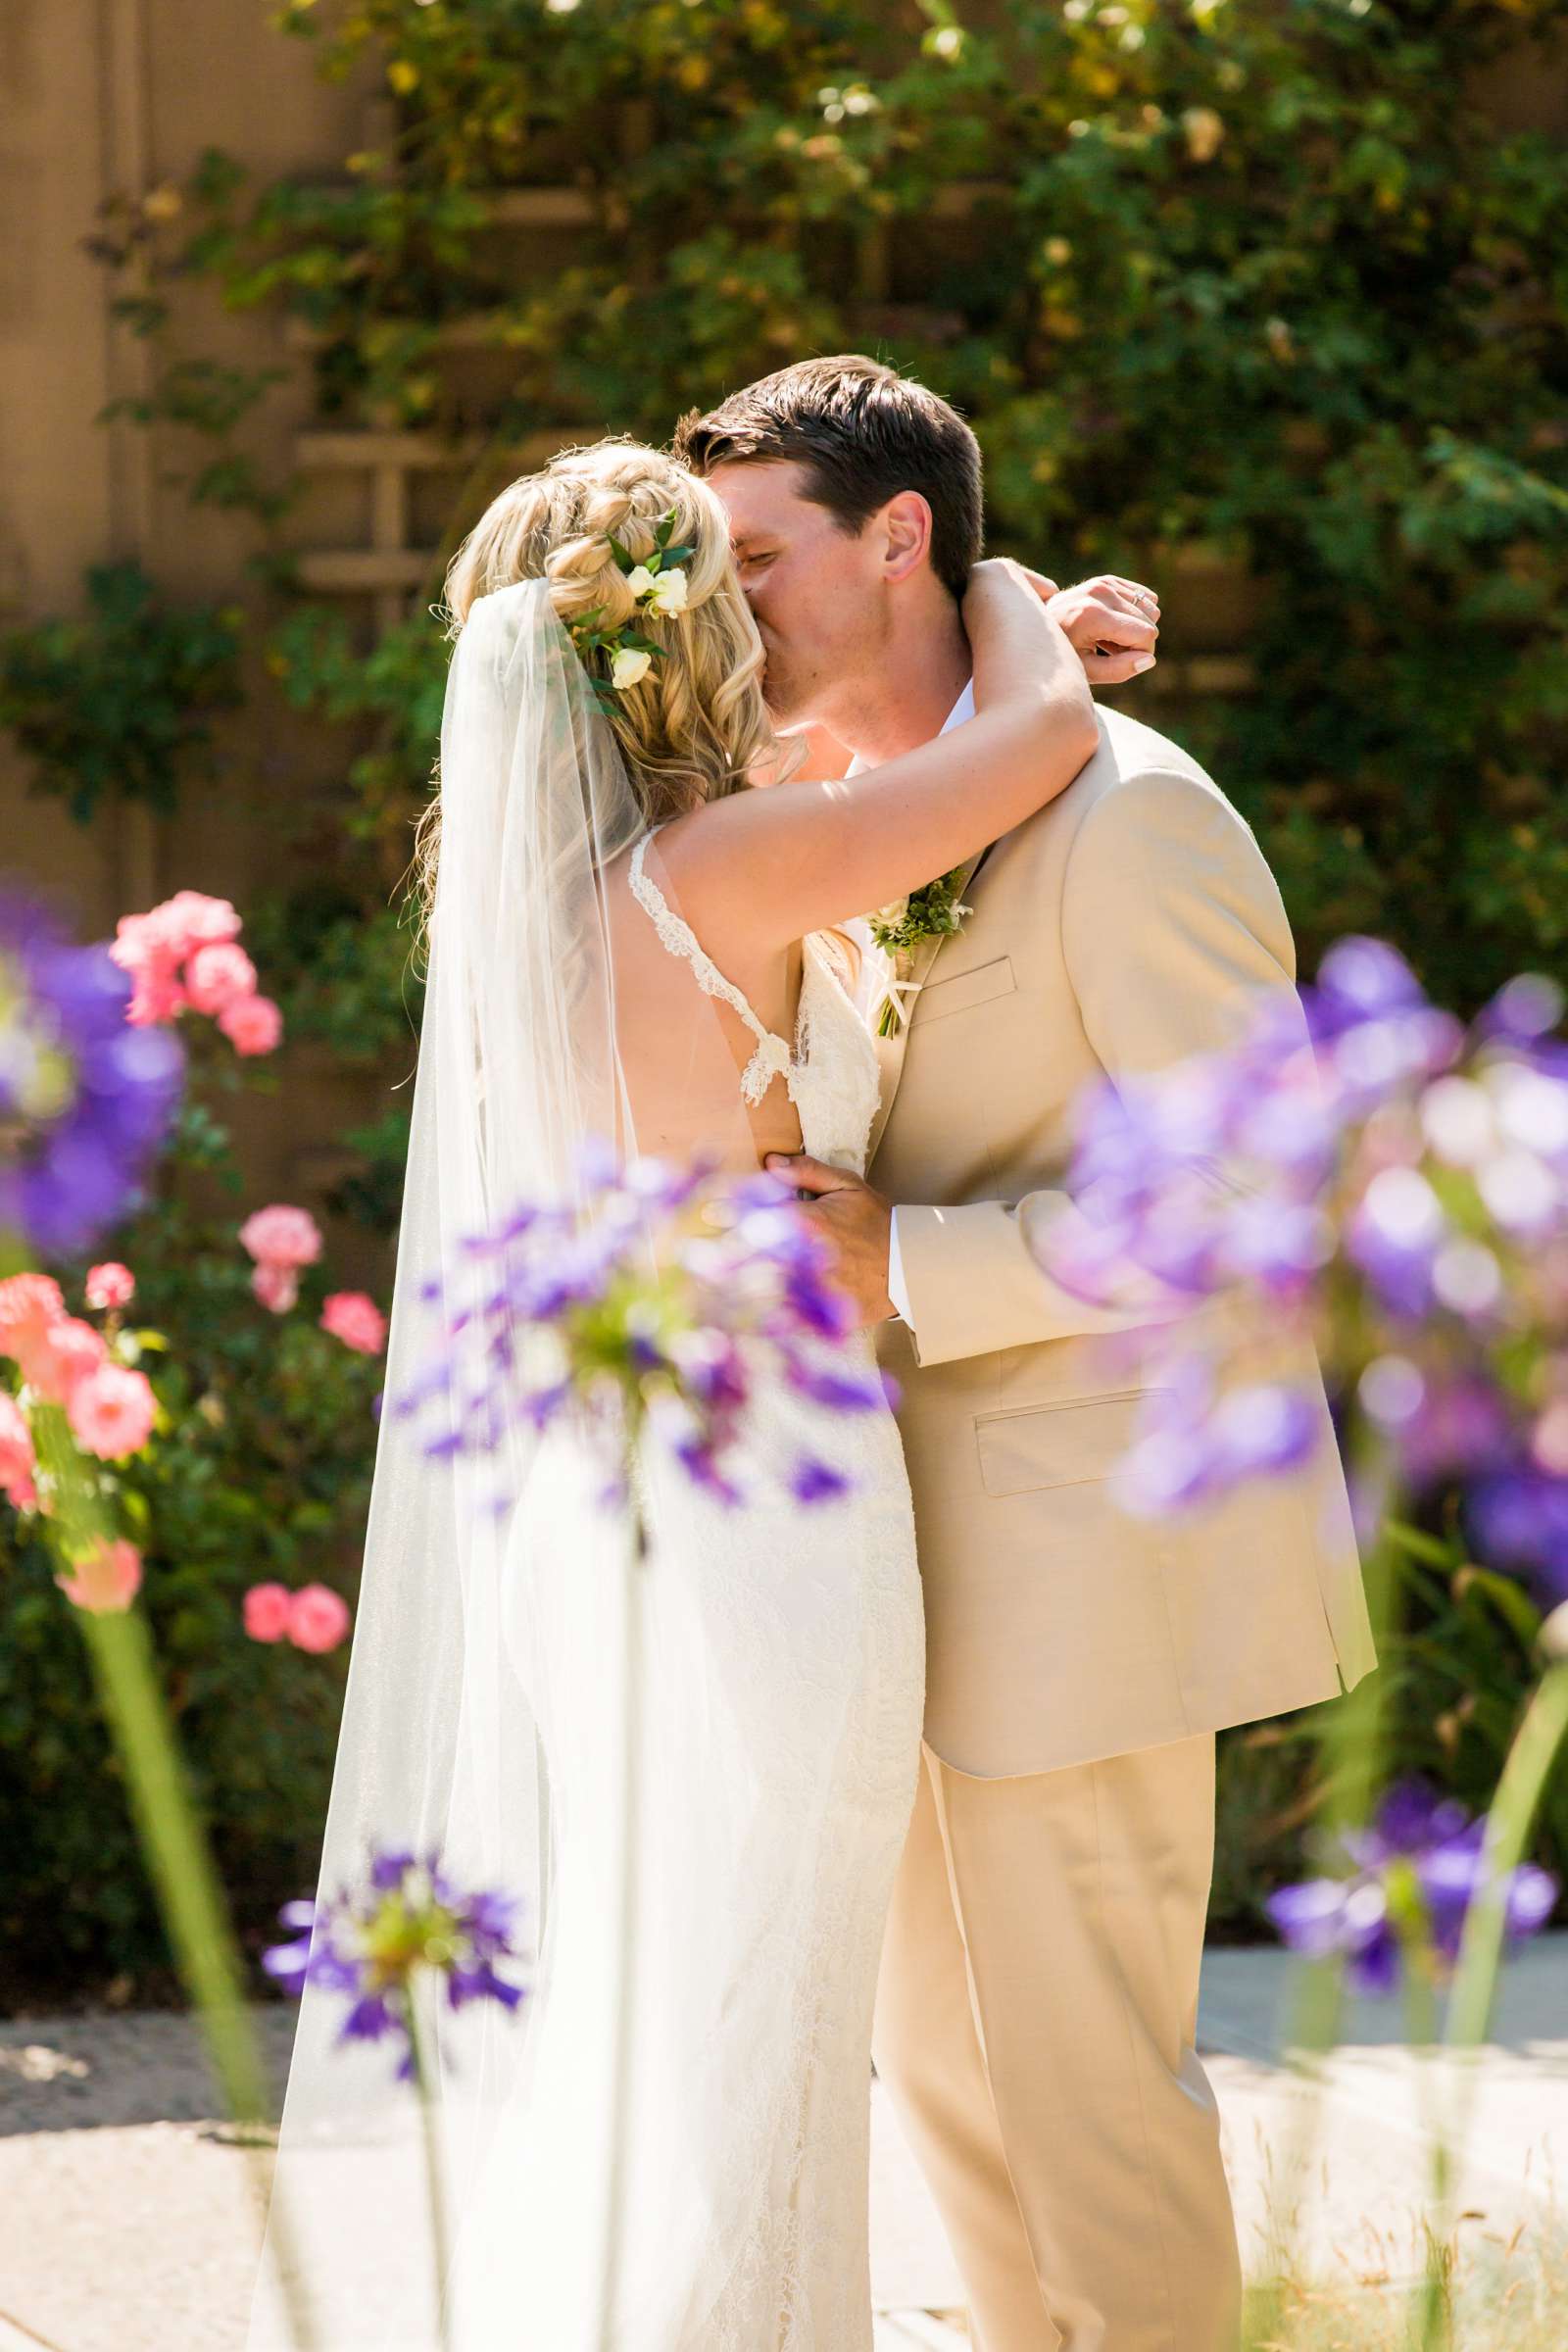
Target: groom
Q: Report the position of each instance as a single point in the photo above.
(1037, 2010)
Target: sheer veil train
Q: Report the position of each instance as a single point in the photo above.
(534, 944)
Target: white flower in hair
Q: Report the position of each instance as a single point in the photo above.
(639, 580)
(629, 666)
(666, 592)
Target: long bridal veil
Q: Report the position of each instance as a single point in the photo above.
(552, 1015)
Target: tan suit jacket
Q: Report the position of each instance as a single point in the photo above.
(1131, 922)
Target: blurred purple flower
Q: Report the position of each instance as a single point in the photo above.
(1519, 1520)
(1418, 1869)
(1371, 1177)
(1452, 1875)
(85, 1100)
(660, 1303)
(369, 1943)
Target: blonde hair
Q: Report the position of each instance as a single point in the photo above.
(693, 728)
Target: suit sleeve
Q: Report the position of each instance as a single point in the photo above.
(1172, 928)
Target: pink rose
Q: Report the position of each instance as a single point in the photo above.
(217, 974)
(110, 1578)
(18, 1461)
(63, 1357)
(142, 947)
(112, 1411)
(190, 919)
(280, 1235)
(29, 1304)
(267, 1610)
(317, 1618)
(110, 1285)
(354, 1317)
(276, 1287)
(252, 1024)
(152, 947)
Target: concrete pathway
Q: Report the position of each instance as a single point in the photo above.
(127, 2222)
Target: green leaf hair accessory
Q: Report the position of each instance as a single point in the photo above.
(658, 585)
(931, 912)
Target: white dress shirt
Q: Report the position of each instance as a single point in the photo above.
(876, 968)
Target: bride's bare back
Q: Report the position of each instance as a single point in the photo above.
(746, 878)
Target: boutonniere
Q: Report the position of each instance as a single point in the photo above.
(932, 912)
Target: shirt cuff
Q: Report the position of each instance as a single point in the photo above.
(898, 1290)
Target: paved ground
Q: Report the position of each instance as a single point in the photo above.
(125, 2216)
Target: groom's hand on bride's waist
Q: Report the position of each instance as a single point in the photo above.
(856, 1221)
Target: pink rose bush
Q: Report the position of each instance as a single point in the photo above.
(108, 1407)
(108, 1578)
(252, 1024)
(18, 1461)
(266, 1612)
(112, 1412)
(318, 1618)
(65, 1361)
(354, 1317)
(315, 1618)
(280, 1239)
(183, 955)
(110, 1285)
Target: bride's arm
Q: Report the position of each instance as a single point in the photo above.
(767, 866)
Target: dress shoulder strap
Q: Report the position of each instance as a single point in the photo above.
(773, 1054)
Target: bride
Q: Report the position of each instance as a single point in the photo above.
(629, 940)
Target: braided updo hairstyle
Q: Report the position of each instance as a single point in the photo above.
(696, 724)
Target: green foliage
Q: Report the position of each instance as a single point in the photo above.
(1455, 1677)
(1247, 282)
(118, 703)
(260, 1472)
(1225, 277)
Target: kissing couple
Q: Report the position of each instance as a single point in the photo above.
(923, 1772)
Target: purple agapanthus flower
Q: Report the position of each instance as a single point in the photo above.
(1519, 1520)
(368, 1943)
(1362, 1173)
(1416, 1871)
(85, 1100)
(659, 1303)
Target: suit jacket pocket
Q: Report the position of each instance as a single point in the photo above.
(964, 988)
(1057, 1445)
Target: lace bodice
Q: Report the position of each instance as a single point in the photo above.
(831, 1071)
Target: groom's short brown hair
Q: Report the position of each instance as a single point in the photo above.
(864, 433)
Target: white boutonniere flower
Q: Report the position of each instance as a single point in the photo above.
(932, 912)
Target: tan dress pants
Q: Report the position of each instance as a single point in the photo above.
(1035, 2025)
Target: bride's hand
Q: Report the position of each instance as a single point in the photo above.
(1111, 623)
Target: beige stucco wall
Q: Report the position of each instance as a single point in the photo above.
(104, 95)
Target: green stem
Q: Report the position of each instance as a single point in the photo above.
(1472, 1993)
(172, 1842)
(1352, 1730)
(434, 2178)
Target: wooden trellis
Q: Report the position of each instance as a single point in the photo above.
(389, 569)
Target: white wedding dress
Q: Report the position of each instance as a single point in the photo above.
(780, 1649)
(783, 1653)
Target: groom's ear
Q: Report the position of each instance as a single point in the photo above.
(906, 521)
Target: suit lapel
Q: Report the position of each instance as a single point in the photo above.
(891, 1051)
